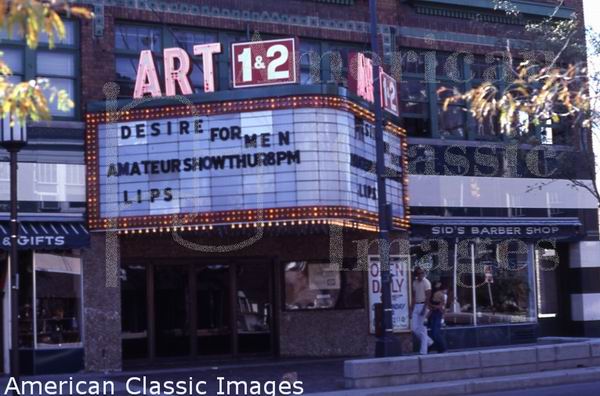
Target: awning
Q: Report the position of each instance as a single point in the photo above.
(46, 235)
(496, 227)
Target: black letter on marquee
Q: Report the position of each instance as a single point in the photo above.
(125, 132)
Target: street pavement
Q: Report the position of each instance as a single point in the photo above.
(586, 389)
(317, 375)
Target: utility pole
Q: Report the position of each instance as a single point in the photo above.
(13, 136)
(387, 344)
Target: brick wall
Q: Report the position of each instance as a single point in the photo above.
(266, 16)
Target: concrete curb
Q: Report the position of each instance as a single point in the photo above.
(478, 385)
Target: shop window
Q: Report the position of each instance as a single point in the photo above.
(50, 300)
(58, 300)
(319, 285)
(547, 283)
(59, 65)
(489, 281)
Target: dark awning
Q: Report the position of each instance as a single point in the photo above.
(46, 235)
(496, 227)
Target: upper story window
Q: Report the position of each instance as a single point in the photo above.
(129, 41)
(187, 39)
(428, 78)
(60, 65)
(319, 61)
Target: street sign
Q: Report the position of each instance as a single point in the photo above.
(389, 94)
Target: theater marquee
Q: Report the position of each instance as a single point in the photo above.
(259, 162)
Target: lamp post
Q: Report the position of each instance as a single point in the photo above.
(387, 344)
(13, 136)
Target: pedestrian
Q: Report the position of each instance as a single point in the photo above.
(421, 296)
(438, 308)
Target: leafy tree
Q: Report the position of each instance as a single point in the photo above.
(541, 95)
(30, 18)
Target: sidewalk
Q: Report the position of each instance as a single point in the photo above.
(479, 385)
(317, 375)
(320, 377)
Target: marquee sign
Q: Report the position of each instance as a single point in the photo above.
(253, 64)
(264, 63)
(256, 63)
(293, 159)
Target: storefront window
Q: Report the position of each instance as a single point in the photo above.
(489, 281)
(318, 285)
(58, 299)
(547, 281)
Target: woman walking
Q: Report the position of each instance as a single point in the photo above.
(439, 299)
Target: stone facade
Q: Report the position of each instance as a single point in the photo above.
(102, 307)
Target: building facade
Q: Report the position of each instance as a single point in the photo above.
(244, 266)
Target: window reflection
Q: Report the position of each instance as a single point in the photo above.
(490, 281)
(318, 285)
(58, 299)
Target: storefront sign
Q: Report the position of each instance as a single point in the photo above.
(389, 94)
(256, 63)
(362, 84)
(46, 236)
(264, 63)
(399, 269)
(494, 231)
(253, 64)
(232, 165)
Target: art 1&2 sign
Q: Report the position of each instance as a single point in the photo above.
(253, 64)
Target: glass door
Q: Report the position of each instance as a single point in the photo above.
(172, 306)
(213, 309)
(254, 308)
